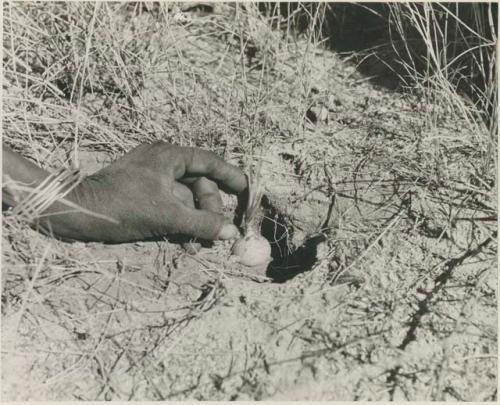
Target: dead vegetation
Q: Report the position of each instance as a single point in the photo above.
(381, 206)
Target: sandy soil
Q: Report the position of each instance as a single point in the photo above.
(380, 306)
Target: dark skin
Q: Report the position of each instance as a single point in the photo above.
(151, 192)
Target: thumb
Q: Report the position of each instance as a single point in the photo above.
(203, 224)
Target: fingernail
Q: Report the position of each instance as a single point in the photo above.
(228, 231)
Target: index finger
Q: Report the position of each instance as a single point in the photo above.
(198, 162)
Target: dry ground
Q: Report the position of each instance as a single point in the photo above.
(391, 297)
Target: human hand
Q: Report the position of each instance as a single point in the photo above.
(157, 190)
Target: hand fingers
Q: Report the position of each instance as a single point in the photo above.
(183, 194)
(187, 162)
(198, 162)
(200, 223)
(207, 196)
(203, 224)
(228, 231)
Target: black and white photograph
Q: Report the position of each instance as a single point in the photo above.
(249, 201)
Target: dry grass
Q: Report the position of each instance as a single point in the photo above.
(458, 58)
(381, 207)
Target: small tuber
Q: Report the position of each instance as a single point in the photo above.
(252, 249)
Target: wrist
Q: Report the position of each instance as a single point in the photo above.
(83, 214)
(19, 175)
(64, 205)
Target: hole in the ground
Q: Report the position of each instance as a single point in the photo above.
(288, 260)
(294, 161)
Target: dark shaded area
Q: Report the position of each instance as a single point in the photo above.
(239, 212)
(367, 34)
(356, 28)
(299, 261)
(286, 264)
(348, 28)
(370, 26)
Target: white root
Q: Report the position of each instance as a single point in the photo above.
(253, 250)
